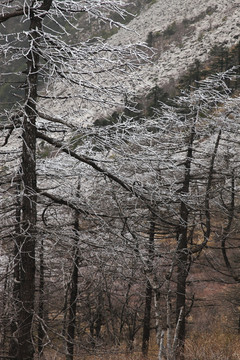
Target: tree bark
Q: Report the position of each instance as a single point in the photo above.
(41, 301)
(182, 251)
(16, 276)
(147, 319)
(73, 292)
(28, 232)
(72, 307)
(148, 294)
(25, 347)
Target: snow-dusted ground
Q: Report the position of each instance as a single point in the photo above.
(161, 13)
(223, 25)
(217, 26)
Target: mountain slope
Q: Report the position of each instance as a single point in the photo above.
(181, 32)
(192, 28)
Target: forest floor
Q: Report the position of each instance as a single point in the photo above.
(217, 345)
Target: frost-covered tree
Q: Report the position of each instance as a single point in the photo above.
(175, 167)
(50, 71)
(92, 215)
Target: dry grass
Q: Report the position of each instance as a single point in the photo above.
(213, 346)
(117, 355)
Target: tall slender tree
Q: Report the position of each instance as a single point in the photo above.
(36, 37)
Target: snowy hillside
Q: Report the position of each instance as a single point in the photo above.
(180, 31)
(213, 22)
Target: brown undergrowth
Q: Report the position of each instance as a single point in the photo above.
(215, 345)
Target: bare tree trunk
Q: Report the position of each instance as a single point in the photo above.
(161, 346)
(182, 251)
(72, 308)
(148, 294)
(125, 304)
(99, 315)
(3, 312)
(113, 331)
(65, 309)
(175, 343)
(181, 293)
(169, 325)
(41, 332)
(147, 319)
(29, 199)
(28, 234)
(132, 330)
(16, 276)
(73, 293)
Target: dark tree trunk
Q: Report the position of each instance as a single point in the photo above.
(147, 319)
(182, 273)
(182, 251)
(64, 310)
(148, 294)
(3, 312)
(27, 238)
(29, 199)
(125, 305)
(29, 211)
(16, 276)
(41, 301)
(73, 296)
(99, 315)
(28, 233)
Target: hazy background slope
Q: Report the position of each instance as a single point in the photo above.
(185, 35)
(181, 31)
